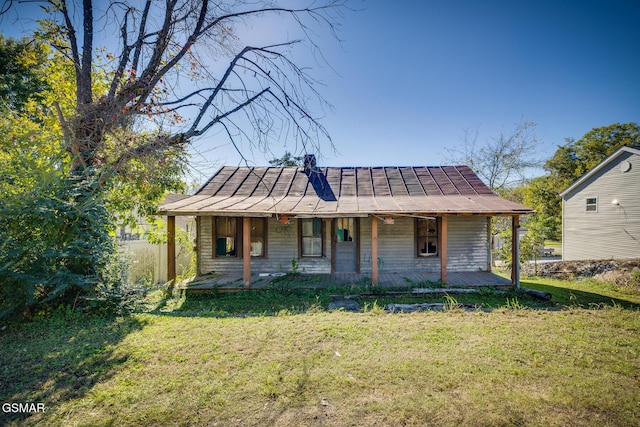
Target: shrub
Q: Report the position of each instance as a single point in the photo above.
(56, 246)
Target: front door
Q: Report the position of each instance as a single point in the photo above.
(346, 245)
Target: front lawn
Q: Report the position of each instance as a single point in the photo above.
(282, 359)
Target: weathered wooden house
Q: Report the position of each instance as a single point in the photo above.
(343, 219)
(601, 210)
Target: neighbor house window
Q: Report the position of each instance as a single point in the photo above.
(312, 237)
(427, 237)
(225, 236)
(592, 204)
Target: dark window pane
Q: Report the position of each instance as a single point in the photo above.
(427, 234)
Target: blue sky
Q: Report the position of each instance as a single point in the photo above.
(414, 74)
(410, 76)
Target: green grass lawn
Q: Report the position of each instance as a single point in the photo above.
(279, 358)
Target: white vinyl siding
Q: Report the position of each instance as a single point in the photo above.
(614, 233)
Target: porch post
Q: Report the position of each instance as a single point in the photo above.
(246, 251)
(171, 248)
(489, 245)
(515, 252)
(374, 250)
(443, 249)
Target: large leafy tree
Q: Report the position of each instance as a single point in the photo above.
(51, 245)
(22, 79)
(125, 115)
(180, 69)
(575, 158)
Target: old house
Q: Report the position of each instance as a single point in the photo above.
(601, 210)
(343, 219)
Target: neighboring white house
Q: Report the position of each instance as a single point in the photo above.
(601, 210)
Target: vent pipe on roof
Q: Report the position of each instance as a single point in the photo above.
(309, 162)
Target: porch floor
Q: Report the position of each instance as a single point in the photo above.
(230, 282)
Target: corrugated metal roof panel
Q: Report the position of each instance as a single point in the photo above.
(361, 190)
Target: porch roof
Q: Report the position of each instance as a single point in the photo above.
(343, 191)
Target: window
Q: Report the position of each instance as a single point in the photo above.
(592, 204)
(312, 237)
(258, 237)
(227, 235)
(427, 237)
(346, 228)
(225, 229)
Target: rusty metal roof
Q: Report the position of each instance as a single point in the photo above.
(344, 191)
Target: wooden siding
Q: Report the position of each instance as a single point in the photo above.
(467, 248)
(283, 248)
(611, 232)
(396, 248)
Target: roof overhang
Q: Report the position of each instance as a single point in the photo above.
(598, 167)
(314, 207)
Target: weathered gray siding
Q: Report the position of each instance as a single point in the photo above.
(613, 232)
(396, 248)
(282, 241)
(467, 248)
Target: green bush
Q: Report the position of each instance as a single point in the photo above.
(56, 247)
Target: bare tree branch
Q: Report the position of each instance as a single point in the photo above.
(503, 160)
(161, 67)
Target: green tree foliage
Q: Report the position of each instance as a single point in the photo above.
(56, 241)
(55, 245)
(22, 79)
(287, 159)
(541, 194)
(575, 158)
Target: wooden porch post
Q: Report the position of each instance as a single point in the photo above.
(443, 249)
(489, 245)
(515, 252)
(374, 250)
(246, 251)
(171, 248)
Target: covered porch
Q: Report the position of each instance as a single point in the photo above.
(252, 278)
(407, 280)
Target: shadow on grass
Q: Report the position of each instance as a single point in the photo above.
(289, 299)
(60, 358)
(270, 302)
(565, 296)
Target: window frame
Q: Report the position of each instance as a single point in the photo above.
(301, 237)
(238, 236)
(418, 236)
(265, 233)
(587, 205)
(215, 236)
